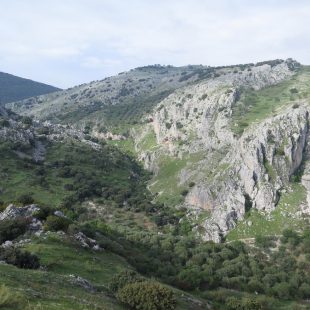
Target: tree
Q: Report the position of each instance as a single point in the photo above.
(56, 223)
(282, 290)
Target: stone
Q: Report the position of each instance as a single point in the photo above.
(7, 244)
(59, 214)
(86, 242)
(13, 212)
(77, 280)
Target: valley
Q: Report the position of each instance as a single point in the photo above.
(190, 182)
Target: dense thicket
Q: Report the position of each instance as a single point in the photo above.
(280, 269)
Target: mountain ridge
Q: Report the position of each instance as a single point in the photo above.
(13, 88)
(219, 221)
(196, 115)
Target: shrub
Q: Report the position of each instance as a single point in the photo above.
(179, 125)
(246, 303)
(25, 199)
(168, 125)
(282, 290)
(232, 303)
(4, 123)
(43, 131)
(305, 290)
(290, 236)
(43, 213)
(11, 229)
(203, 97)
(184, 192)
(56, 223)
(18, 258)
(188, 279)
(27, 120)
(251, 304)
(123, 278)
(294, 90)
(264, 241)
(147, 296)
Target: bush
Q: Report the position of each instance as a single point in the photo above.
(123, 278)
(290, 236)
(56, 223)
(43, 131)
(246, 303)
(27, 120)
(43, 213)
(25, 199)
(264, 241)
(294, 90)
(282, 290)
(188, 279)
(18, 258)
(11, 229)
(233, 303)
(168, 125)
(184, 192)
(147, 296)
(4, 123)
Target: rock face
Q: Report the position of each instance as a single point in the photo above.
(86, 242)
(13, 212)
(235, 172)
(258, 168)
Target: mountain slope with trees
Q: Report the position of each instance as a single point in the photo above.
(14, 88)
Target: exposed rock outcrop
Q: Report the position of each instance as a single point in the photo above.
(13, 212)
(235, 172)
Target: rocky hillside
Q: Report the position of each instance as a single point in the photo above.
(234, 147)
(13, 88)
(222, 142)
(125, 97)
(84, 226)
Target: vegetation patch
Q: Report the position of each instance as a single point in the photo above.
(284, 216)
(255, 106)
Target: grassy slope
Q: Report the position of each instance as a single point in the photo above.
(20, 176)
(255, 106)
(166, 182)
(284, 216)
(53, 288)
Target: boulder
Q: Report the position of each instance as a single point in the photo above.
(13, 212)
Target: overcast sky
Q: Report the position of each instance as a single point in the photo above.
(69, 42)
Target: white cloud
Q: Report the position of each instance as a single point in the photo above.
(95, 62)
(73, 41)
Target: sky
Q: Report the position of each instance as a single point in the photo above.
(70, 42)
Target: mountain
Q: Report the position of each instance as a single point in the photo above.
(163, 187)
(13, 88)
(127, 96)
(224, 143)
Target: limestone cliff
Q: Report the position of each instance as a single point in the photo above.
(236, 170)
